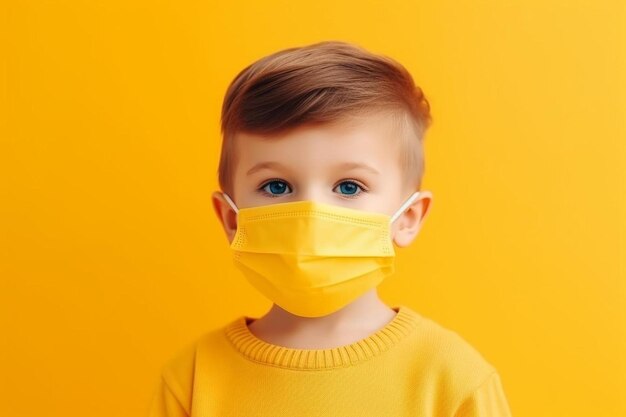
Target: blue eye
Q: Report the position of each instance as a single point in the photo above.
(275, 188)
(349, 187)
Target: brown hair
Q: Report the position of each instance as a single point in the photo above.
(324, 82)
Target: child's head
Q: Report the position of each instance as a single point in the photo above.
(329, 122)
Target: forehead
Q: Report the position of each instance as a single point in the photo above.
(370, 139)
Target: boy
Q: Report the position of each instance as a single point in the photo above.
(321, 165)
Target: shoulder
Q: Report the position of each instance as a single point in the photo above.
(453, 350)
(451, 360)
(488, 399)
(178, 372)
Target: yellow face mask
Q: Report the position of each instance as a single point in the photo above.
(312, 258)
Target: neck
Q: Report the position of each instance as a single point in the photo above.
(347, 325)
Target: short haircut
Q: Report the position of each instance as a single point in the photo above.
(324, 82)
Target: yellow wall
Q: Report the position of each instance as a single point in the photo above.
(112, 259)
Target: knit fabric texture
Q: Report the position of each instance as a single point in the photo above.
(410, 367)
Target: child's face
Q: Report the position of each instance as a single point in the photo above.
(350, 164)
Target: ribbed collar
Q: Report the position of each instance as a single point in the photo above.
(245, 342)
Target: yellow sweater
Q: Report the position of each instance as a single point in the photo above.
(410, 367)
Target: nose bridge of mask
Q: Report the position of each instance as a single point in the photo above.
(392, 219)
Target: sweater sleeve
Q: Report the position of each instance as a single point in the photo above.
(488, 400)
(165, 403)
(172, 397)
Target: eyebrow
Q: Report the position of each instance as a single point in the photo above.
(278, 165)
(265, 165)
(357, 165)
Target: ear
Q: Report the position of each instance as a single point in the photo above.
(226, 214)
(408, 225)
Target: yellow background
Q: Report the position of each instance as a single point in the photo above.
(112, 259)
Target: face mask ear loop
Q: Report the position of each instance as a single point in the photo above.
(231, 202)
(404, 206)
